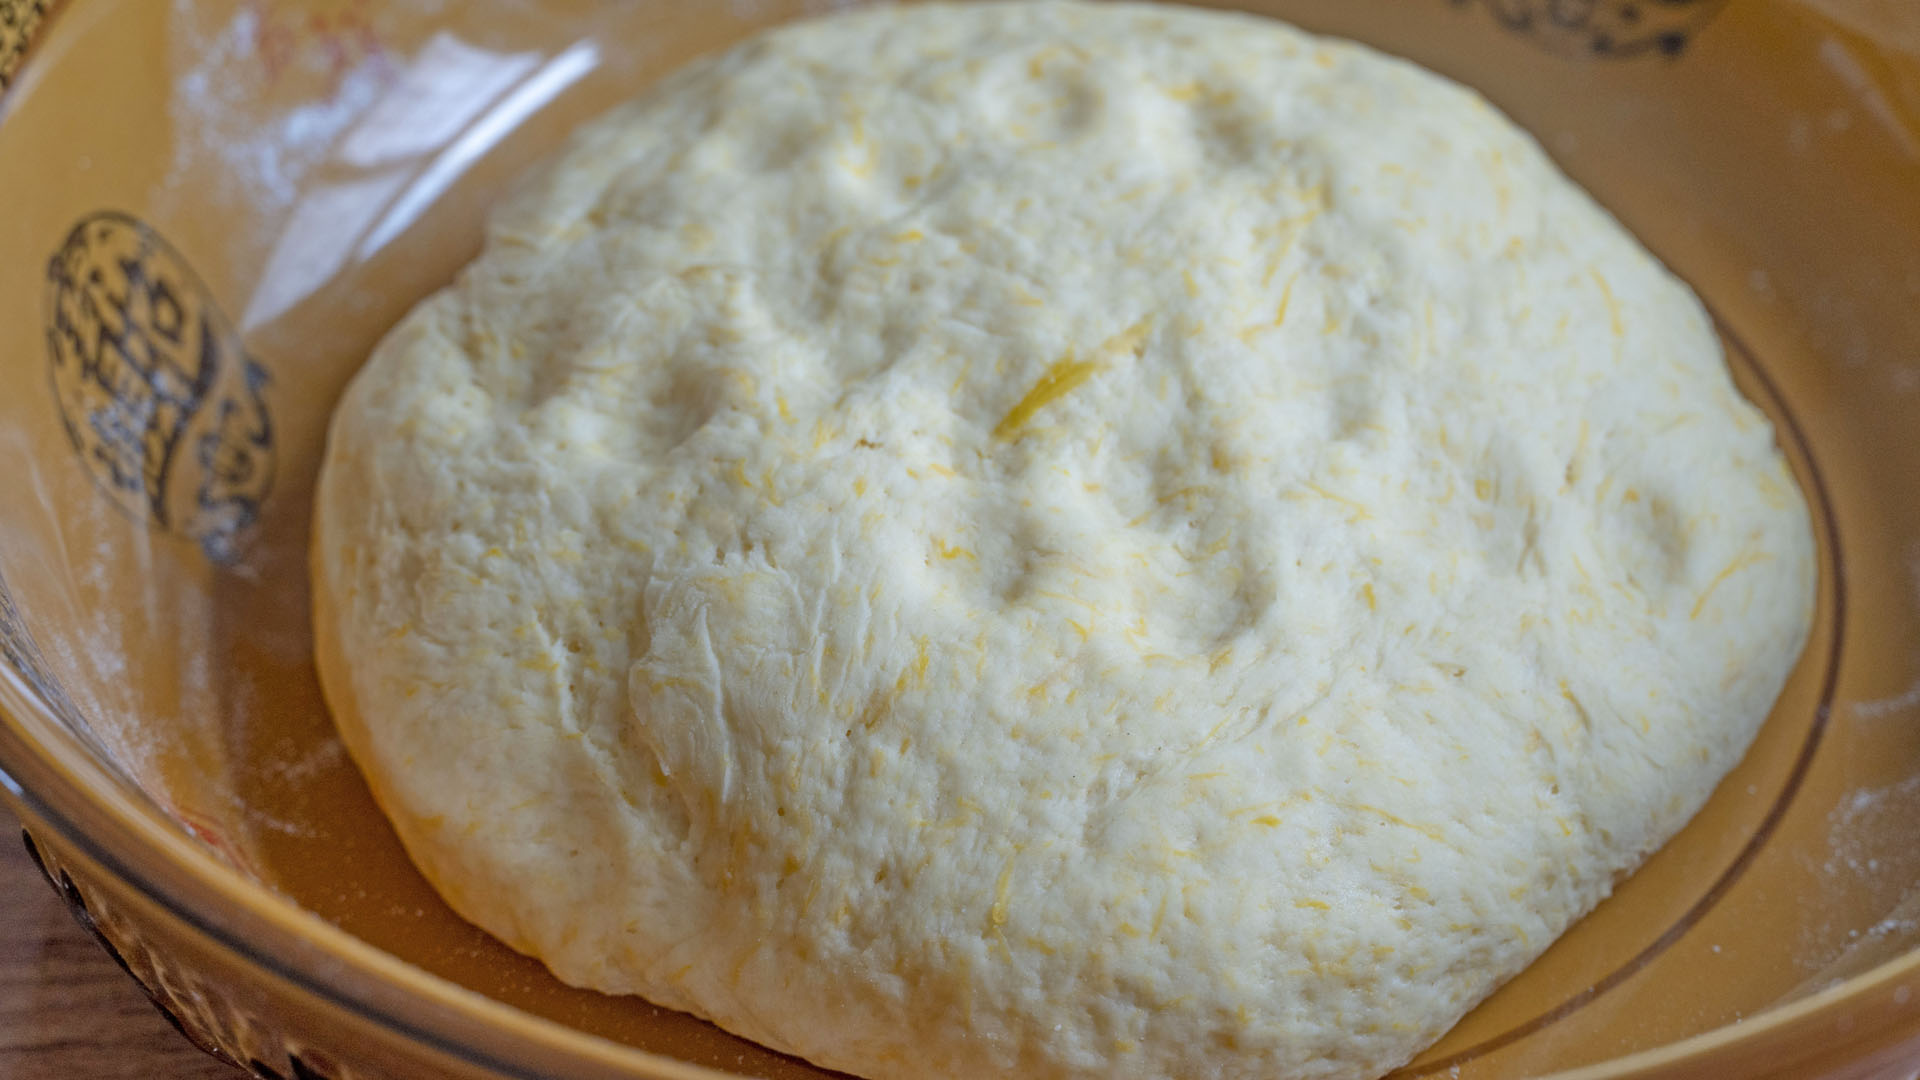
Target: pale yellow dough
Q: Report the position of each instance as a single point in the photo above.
(1052, 540)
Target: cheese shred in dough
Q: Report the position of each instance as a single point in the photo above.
(1052, 540)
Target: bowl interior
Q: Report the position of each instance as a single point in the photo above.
(216, 208)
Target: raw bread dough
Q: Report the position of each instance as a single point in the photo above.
(1052, 540)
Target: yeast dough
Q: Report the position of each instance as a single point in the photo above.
(1052, 540)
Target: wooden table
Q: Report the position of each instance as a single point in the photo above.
(66, 1010)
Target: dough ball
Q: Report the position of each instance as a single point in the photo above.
(1055, 540)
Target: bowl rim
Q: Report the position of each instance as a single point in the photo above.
(60, 783)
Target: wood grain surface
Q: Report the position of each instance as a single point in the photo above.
(67, 1011)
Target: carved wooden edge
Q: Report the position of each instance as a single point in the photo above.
(193, 1004)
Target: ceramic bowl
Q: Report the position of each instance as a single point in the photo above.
(215, 207)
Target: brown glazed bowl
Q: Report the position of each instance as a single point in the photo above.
(215, 207)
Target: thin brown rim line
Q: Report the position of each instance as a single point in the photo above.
(1822, 711)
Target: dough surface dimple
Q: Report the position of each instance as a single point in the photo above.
(1053, 540)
